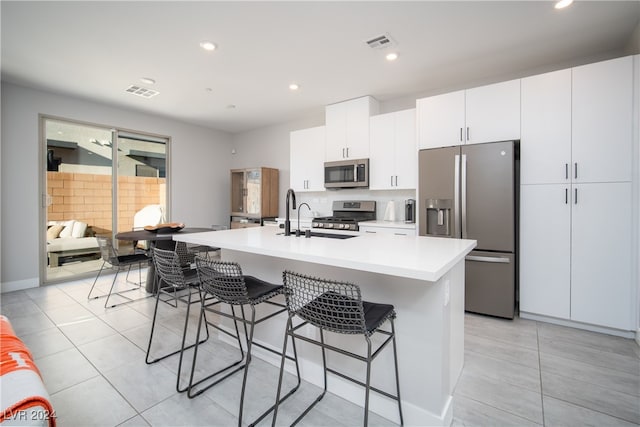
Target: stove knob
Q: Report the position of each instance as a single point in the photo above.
(329, 226)
(314, 224)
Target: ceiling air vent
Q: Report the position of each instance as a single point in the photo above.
(141, 91)
(381, 42)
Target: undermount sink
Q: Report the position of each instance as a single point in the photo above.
(327, 235)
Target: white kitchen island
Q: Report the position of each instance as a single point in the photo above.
(423, 277)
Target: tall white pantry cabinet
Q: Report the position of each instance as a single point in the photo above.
(576, 201)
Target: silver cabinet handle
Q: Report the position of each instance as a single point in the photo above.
(343, 152)
(566, 171)
(575, 196)
(467, 133)
(566, 196)
(391, 180)
(576, 171)
(460, 134)
(347, 152)
(373, 232)
(396, 180)
(499, 260)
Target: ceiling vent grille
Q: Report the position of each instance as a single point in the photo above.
(141, 91)
(381, 42)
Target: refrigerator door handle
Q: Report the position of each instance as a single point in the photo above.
(498, 260)
(456, 194)
(463, 194)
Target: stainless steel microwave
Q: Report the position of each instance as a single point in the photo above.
(346, 174)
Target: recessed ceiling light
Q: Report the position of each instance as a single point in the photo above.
(206, 45)
(231, 107)
(148, 80)
(208, 89)
(391, 56)
(294, 86)
(562, 4)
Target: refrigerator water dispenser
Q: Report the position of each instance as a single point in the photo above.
(439, 217)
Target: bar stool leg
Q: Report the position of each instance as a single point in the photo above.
(249, 338)
(395, 360)
(288, 328)
(368, 383)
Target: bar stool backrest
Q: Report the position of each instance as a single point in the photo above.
(168, 267)
(223, 279)
(327, 304)
(107, 251)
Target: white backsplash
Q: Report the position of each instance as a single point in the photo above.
(321, 201)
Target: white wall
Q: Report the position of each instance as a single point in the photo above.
(269, 147)
(199, 162)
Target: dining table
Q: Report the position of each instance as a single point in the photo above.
(162, 240)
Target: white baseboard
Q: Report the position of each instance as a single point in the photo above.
(19, 285)
(579, 325)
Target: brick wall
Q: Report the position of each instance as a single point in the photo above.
(87, 198)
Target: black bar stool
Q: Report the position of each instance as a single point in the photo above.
(179, 284)
(119, 263)
(337, 307)
(226, 283)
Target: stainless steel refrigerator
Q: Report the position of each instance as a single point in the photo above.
(471, 192)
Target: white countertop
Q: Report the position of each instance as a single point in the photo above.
(420, 257)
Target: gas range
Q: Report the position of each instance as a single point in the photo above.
(346, 215)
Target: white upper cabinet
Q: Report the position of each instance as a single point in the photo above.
(602, 121)
(441, 120)
(577, 124)
(493, 112)
(393, 152)
(545, 149)
(483, 114)
(307, 159)
(347, 127)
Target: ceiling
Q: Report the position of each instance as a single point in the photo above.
(96, 50)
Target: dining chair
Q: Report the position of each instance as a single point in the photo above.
(225, 282)
(333, 306)
(111, 259)
(180, 284)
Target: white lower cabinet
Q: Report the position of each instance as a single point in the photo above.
(545, 250)
(575, 253)
(398, 231)
(601, 289)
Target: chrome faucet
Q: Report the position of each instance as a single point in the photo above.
(287, 223)
(299, 209)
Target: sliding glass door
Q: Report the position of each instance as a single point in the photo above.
(97, 180)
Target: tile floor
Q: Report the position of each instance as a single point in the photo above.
(517, 373)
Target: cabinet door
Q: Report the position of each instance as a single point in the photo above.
(545, 250)
(440, 120)
(493, 112)
(602, 121)
(381, 160)
(406, 152)
(253, 192)
(238, 192)
(307, 149)
(357, 130)
(545, 148)
(601, 288)
(336, 129)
